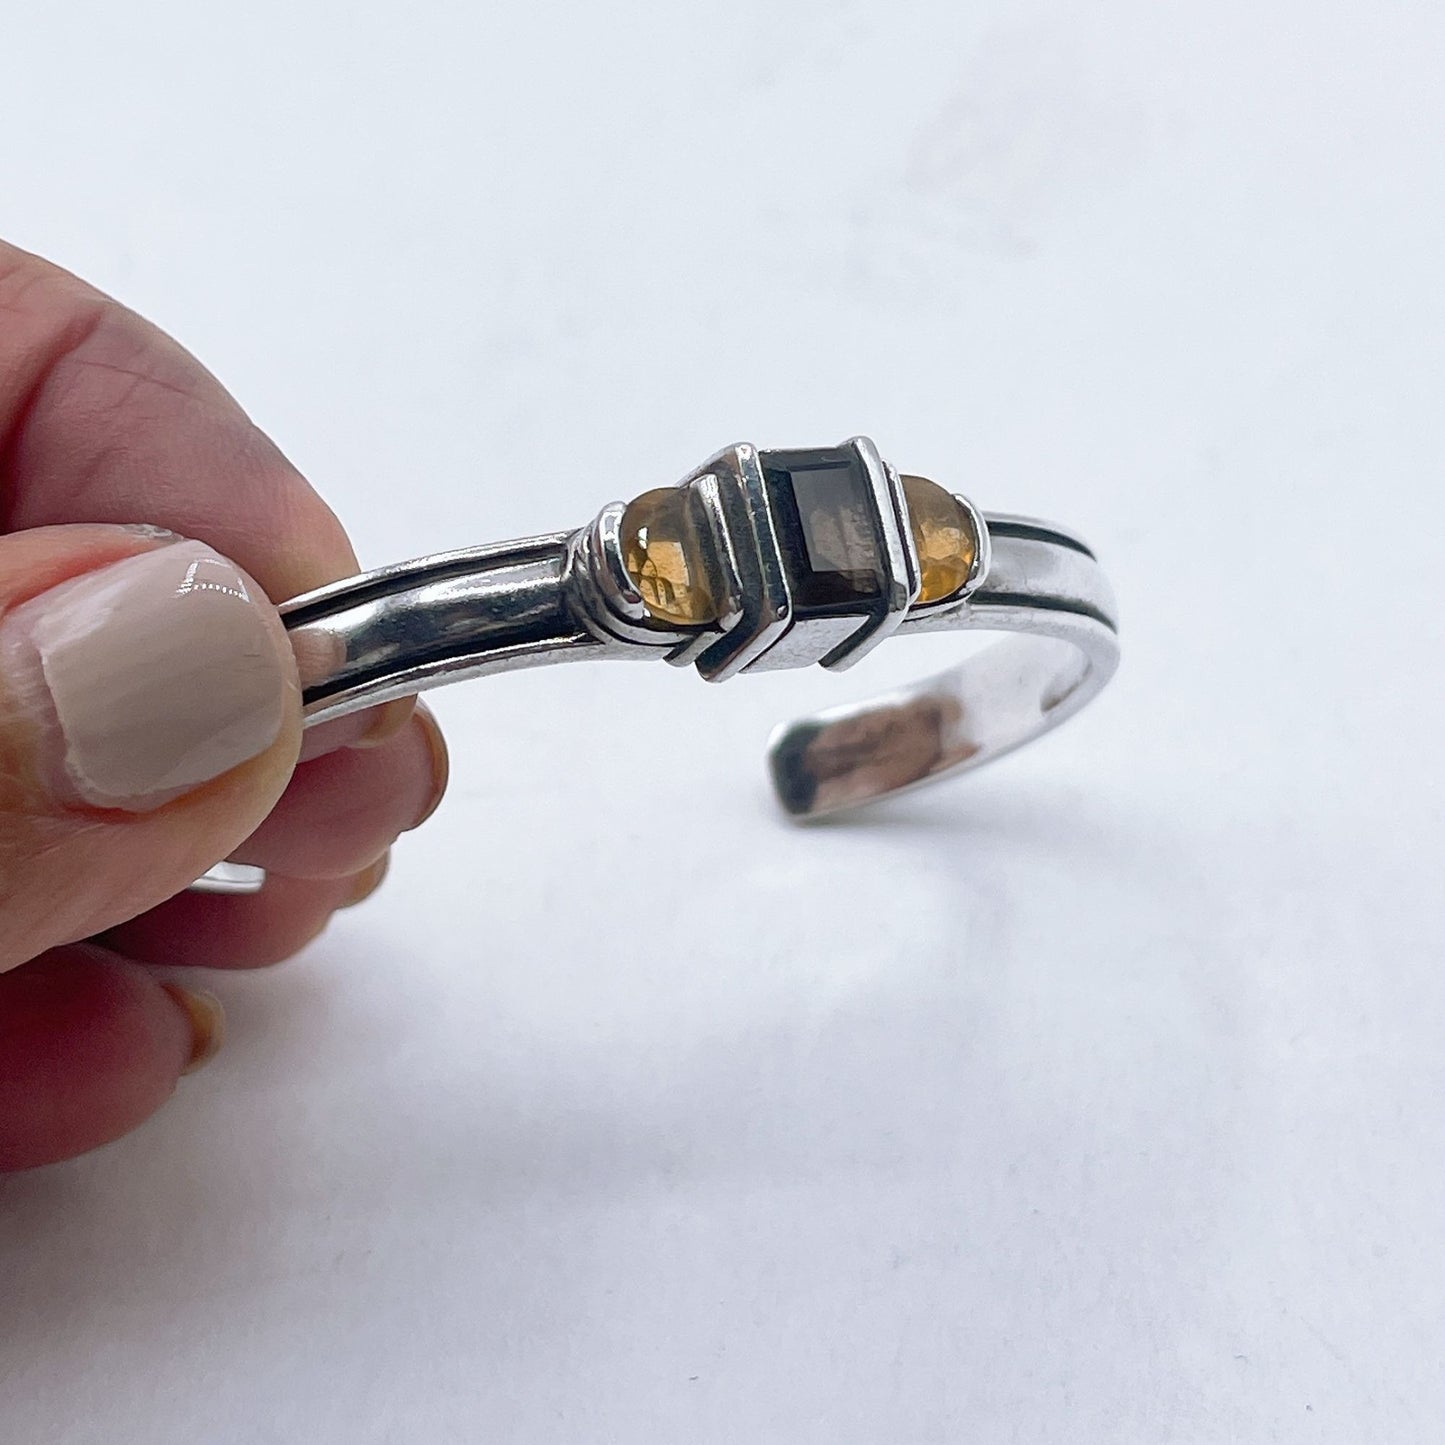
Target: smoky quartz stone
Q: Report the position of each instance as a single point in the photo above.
(824, 509)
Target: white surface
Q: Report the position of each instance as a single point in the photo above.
(1095, 1099)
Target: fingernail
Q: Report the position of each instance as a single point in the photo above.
(369, 729)
(367, 881)
(148, 677)
(386, 721)
(207, 1019)
(441, 766)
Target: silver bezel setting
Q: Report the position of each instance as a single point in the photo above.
(982, 561)
(612, 605)
(902, 576)
(983, 549)
(736, 503)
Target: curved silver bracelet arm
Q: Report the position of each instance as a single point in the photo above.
(1047, 592)
(404, 629)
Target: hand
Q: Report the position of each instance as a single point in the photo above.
(150, 715)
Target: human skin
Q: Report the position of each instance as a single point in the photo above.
(112, 437)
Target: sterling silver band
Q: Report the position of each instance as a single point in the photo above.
(565, 597)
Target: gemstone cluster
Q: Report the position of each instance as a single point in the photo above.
(823, 510)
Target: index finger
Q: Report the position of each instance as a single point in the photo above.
(104, 418)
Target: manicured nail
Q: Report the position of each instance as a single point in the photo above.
(207, 1019)
(148, 677)
(386, 720)
(369, 729)
(441, 766)
(365, 883)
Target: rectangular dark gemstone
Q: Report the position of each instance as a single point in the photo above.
(825, 513)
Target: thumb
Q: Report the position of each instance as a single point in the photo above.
(150, 716)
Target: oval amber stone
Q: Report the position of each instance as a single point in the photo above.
(662, 549)
(944, 535)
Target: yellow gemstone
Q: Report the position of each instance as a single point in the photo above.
(664, 553)
(944, 535)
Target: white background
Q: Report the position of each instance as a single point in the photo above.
(1098, 1098)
